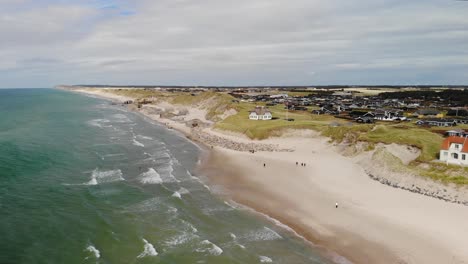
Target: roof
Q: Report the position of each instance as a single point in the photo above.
(260, 110)
(458, 140)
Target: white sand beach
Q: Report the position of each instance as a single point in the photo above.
(374, 223)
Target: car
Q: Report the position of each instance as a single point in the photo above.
(289, 119)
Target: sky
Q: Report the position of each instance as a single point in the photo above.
(233, 43)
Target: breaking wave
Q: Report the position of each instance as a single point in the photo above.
(101, 123)
(98, 177)
(149, 250)
(93, 250)
(210, 247)
(137, 143)
(150, 177)
(265, 259)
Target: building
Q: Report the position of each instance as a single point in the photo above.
(454, 150)
(389, 115)
(456, 133)
(260, 113)
(437, 122)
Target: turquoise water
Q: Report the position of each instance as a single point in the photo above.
(84, 181)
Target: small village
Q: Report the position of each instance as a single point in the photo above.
(423, 111)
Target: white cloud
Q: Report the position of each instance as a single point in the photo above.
(237, 42)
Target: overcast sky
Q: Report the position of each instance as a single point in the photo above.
(242, 42)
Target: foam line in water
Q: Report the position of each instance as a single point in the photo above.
(93, 250)
(264, 234)
(148, 251)
(98, 177)
(265, 259)
(150, 177)
(144, 137)
(210, 248)
(137, 143)
(99, 123)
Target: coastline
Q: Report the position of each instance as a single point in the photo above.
(373, 224)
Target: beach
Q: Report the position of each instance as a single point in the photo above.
(374, 223)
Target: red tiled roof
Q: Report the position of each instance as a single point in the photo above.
(458, 140)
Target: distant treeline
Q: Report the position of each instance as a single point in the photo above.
(456, 97)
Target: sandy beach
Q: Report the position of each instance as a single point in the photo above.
(374, 223)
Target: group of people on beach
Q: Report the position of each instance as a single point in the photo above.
(303, 165)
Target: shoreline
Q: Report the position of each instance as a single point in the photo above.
(358, 217)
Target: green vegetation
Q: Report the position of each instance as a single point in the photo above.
(264, 129)
(428, 140)
(445, 173)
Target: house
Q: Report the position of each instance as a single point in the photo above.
(388, 115)
(260, 113)
(437, 122)
(456, 133)
(324, 111)
(364, 119)
(454, 150)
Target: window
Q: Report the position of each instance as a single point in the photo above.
(445, 153)
(456, 146)
(463, 157)
(455, 155)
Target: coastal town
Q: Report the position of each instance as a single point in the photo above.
(365, 147)
(442, 111)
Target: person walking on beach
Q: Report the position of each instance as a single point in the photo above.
(297, 163)
(264, 165)
(336, 205)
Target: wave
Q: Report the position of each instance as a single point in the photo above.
(210, 248)
(177, 195)
(180, 192)
(233, 236)
(137, 143)
(150, 177)
(153, 204)
(144, 137)
(265, 259)
(121, 118)
(181, 239)
(149, 250)
(93, 250)
(99, 123)
(98, 177)
(264, 234)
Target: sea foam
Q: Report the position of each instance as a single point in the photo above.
(150, 177)
(98, 177)
(137, 143)
(149, 250)
(94, 250)
(210, 248)
(265, 259)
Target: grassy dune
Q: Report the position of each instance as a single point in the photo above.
(428, 140)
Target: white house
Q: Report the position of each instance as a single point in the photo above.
(260, 113)
(455, 150)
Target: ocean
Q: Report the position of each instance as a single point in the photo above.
(86, 181)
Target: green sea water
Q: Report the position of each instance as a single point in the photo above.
(85, 181)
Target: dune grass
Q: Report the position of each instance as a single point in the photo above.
(259, 129)
(428, 142)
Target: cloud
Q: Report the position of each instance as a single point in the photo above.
(235, 43)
